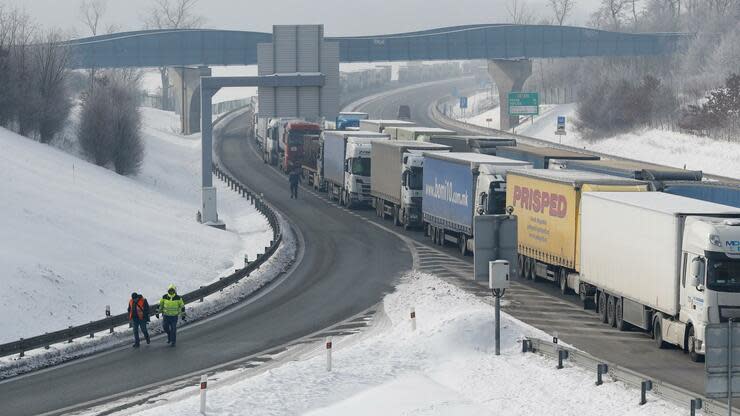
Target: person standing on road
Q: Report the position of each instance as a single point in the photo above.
(171, 306)
(138, 314)
(295, 179)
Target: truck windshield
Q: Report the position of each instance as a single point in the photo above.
(723, 273)
(360, 166)
(296, 139)
(415, 178)
(497, 198)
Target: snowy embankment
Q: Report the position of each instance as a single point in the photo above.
(650, 145)
(79, 237)
(445, 367)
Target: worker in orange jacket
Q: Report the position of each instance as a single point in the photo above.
(138, 314)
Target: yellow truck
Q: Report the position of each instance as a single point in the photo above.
(547, 205)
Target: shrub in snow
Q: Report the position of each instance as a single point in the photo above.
(720, 110)
(110, 124)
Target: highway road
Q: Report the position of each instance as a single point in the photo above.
(539, 304)
(346, 267)
(349, 261)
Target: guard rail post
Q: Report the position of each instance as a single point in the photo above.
(645, 386)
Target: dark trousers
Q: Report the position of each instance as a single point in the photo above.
(294, 190)
(170, 327)
(140, 325)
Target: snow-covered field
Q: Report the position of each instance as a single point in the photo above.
(78, 237)
(445, 367)
(651, 145)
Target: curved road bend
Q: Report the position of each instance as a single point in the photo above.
(548, 309)
(347, 267)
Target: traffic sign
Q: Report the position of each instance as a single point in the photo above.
(524, 104)
(463, 102)
(560, 131)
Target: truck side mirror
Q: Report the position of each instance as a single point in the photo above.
(697, 271)
(346, 165)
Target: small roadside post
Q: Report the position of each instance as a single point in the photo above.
(498, 282)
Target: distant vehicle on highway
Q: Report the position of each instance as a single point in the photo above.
(404, 112)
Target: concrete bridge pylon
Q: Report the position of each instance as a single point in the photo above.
(186, 83)
(508, 75)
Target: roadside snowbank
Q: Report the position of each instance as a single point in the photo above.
(651, 145)
(79, 237)
(445, 367)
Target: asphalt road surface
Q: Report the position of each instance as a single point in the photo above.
(346, 268)
(540, 303)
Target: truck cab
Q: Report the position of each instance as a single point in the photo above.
(491, 188)
(349, 119)
(293, 140)
(357, 169)
(710, 279)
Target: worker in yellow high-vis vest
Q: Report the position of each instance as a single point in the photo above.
(171, 306)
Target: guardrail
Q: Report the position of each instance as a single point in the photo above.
(110, 323)
(674, 394)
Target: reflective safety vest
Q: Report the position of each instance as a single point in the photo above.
(138, 308)
(171, 305)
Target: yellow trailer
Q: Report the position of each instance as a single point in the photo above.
(547, 205)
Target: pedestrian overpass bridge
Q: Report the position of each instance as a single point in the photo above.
(192, 47)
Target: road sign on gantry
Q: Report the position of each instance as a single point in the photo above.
(524, 104)
(299, 50)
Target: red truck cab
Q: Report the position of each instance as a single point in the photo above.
(293, 142)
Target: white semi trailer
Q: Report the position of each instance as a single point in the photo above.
(664, 263)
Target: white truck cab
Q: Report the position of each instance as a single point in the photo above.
(491, 188)
(710, 285)
(357, 168)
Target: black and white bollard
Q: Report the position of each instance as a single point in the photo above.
(696, 404)
(645, 386)
(498, 282)
(107, 311)
(562, 355)
(601, 369)
(413, 319)
(203, 388)
(328, 353)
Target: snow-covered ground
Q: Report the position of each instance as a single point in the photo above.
(78, 237)
(651, 145)
(445, 367)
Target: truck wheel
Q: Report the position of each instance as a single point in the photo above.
(619, 315)
(602, 307)
(521, 263)
(347, 200)
(658, 335)
(693, 355)
(442, 237)
(532, 269)
(463, 242)
(563, 280)
(396, 220)
(433, 233)
(611, 311)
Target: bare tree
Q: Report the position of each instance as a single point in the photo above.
(614, 10)
(171, 14)
(91, 14)
(52, 100)
(110, 123)
(520, 13)
(561, 9)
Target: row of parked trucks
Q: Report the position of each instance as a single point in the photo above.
(647, 246)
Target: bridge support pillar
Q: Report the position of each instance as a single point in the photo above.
(186, 82)
(508, 75)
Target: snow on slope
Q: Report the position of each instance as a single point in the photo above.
(77, 237)
(446, 367)
(651, 145)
